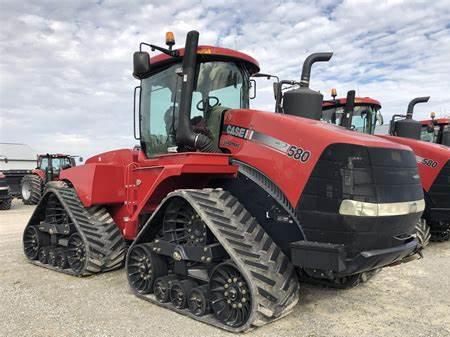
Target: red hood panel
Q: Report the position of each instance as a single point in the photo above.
(431, 158)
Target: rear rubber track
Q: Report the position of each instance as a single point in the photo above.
(269, 273)
(104, 244)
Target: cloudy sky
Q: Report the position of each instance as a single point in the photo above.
(65, 66)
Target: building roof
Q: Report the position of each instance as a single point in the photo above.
(16, 151)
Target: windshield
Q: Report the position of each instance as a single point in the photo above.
(364, 117)
(57, 163)
(219, 84)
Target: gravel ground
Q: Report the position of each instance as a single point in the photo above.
(406, 301)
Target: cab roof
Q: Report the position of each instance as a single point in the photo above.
(440, 121)
(209, 53)
(358, 101)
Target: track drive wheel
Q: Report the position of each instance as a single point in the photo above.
(76, 254)
(423, 232)
(231, 299)
(144, 267)
(31, 189)
(33, 241)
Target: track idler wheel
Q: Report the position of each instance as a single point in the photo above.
(76, 253)
(230, 294)
(144, 267)
(33, 241)
(61, 258)
(198, 301)
(179, 291)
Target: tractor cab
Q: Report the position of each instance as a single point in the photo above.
(436, 130)
(365, 116)
(52, 164)
(215, 80)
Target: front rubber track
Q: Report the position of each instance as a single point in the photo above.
(105, 246)
(269, 273)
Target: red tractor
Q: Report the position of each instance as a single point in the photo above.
(436, 130)
(49, 167)
(433, 160)
(225, 206)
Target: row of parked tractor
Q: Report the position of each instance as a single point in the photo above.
(28, 185)
(223, 211)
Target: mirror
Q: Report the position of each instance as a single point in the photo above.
(80, 159)
(380, 120)
(141, 65)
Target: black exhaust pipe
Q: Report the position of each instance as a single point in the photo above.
(307, 65)
(409, 112)
(185, 135)
(347, 117)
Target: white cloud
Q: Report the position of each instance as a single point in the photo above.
(65, 67)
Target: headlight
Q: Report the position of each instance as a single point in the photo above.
(359, 208)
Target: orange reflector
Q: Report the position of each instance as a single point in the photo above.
(433, 114)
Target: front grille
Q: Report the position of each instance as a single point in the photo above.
(373, 175)
(439, 193)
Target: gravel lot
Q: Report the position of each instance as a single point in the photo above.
(408, 300)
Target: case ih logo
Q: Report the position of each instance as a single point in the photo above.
(239, 132)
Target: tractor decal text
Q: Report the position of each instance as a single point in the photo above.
(427, 162)
(292, 151)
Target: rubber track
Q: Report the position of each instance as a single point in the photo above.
(269, 273)
(423, 232)
(36, 189)
(105, 246)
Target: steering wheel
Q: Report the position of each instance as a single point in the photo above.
(201, 106)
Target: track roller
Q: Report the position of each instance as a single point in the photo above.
(179, 291)
(43, 254)
(161, 288)
(51, 258)
(61, 258)
(198, 300)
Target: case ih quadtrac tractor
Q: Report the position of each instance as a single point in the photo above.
(224, 204)
(48, 168)
(433, 160)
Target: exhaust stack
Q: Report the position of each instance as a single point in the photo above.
(346, 120)
(304, 102)
(307, 65)
(185, 135)
(412, 104)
